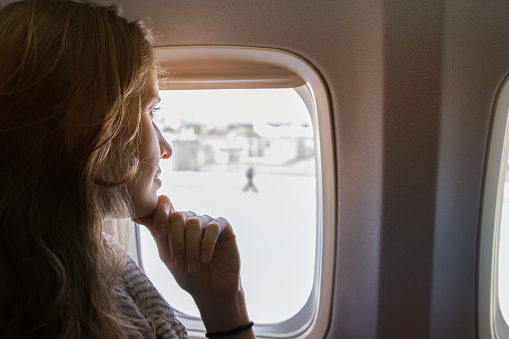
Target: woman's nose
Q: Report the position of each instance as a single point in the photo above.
(164, 146)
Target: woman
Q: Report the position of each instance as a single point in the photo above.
(78, 89)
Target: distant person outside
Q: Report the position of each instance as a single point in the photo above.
(250, 180)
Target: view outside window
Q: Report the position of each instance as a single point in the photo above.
(503, 253)
(248, 156)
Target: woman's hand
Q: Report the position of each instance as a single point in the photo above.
(200, 251)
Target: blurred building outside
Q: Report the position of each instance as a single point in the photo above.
(272, 148)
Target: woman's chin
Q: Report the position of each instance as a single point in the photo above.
(146, 206)
(144, 197)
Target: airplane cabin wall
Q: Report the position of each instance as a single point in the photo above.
(475, 63)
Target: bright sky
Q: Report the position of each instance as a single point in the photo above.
(217, 107)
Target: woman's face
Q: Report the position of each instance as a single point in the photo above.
(153, 147)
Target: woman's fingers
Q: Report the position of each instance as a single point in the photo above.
(157, 223)
(193, 229)
(192, 238)
(184, 240)
(210, 235)
(160, 220)
(177, 239)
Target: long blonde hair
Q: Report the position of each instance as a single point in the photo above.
(67, 71)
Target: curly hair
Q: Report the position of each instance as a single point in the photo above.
(67, 72)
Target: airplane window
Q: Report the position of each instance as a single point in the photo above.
(247, 155)
(493, 313)
(252, 142)
(503, 253)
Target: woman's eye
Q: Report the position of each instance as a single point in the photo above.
(153, 112)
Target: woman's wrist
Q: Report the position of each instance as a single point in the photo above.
(223, 314)
(238, 331)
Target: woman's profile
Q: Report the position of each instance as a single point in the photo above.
(78, 90)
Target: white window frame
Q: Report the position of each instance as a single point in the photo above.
(312, 321)
(491, 323)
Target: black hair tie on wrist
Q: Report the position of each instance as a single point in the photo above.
(230, 332)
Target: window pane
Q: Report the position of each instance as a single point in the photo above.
(503, 253)
(249, 156)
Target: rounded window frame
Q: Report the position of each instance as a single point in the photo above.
(313, 320)
(491, 323)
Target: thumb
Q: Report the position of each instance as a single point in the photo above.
(160, 215)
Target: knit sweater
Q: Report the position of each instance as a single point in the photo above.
(139, 300)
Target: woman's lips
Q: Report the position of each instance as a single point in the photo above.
(156, 177)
